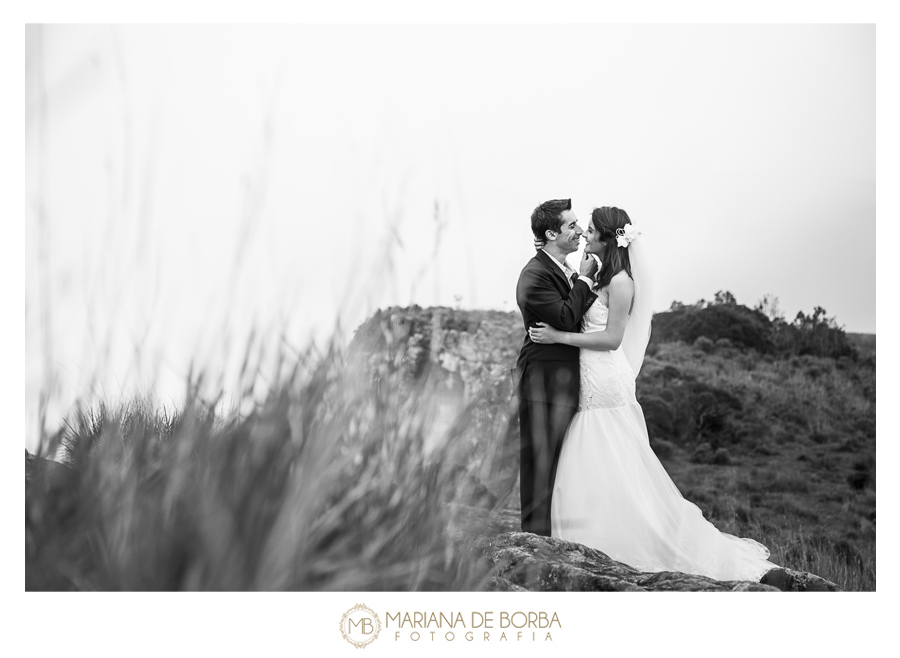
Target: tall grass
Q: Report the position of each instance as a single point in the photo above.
(812, 549)
(326, 485)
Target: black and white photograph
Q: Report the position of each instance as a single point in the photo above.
(438, 308)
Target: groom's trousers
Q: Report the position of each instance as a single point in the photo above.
(548, 398)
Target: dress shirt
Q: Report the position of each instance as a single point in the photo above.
(568, 271)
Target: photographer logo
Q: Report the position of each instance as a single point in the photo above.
(360, 626)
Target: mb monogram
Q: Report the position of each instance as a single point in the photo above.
(360, 626)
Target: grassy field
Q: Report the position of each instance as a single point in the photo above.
(355, 473)
(789, 460)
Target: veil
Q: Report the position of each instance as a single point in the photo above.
(637, 329)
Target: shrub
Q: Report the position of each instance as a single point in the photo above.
(670, 372)
(662, 448)
(712, 409)
(704, 344)
(703, 454)
(679, 408)
(742, 327)
(866, 426)
(861, 475)
(819, 437)
(763, 329)
(659, 416)
(815, 335)
(721, 457)
(791, 414)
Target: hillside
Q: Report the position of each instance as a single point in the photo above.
(769, 443)
(864, 344)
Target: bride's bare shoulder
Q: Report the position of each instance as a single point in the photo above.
(621, 282)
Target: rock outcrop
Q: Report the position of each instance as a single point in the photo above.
(528, 562)
(789, 580)
(522, 561)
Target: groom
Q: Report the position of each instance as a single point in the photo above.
(548, 291)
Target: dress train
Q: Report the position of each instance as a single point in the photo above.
(613, 494)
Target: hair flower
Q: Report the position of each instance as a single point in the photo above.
(625, 236)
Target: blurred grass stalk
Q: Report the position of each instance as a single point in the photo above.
(326, 485)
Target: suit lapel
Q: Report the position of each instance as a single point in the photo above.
(544, 258)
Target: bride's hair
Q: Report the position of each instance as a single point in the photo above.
(615, 258)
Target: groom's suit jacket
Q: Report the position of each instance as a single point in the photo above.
(549, 373)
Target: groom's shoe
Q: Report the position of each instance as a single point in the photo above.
(542, 532)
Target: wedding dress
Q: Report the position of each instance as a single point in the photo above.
(613, 494)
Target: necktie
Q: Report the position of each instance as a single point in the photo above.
(573, 279)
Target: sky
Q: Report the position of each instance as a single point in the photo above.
(186, 185)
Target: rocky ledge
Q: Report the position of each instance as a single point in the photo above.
(526, 562)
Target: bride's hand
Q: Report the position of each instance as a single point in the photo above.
(539, 244)
(544, 334)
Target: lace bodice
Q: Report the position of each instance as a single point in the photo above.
(596, 317)
(607, 380)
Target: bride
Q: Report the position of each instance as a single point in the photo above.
(611, 491)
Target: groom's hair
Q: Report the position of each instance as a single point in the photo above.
(546, 216)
